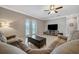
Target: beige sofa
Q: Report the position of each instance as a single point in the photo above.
(71, 47)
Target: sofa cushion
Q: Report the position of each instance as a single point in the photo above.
(61, 42)
(62, 38)
(39, 51)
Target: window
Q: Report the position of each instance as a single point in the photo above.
(34, 27)
(30, 27)
(27, 28)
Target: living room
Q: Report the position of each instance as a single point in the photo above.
(24, 21)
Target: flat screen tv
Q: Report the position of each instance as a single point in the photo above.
(53, 27)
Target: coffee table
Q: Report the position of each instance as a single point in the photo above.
(37, 41)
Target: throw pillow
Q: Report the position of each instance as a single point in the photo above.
(2, 37)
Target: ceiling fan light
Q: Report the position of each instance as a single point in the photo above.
(54, 9)
(51, 12)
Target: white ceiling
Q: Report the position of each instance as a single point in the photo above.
(37, 11)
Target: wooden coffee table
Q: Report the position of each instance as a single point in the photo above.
(37, 41)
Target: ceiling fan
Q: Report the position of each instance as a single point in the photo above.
(53, 9)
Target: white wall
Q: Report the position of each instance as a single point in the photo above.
(19, 21)
(17, 18)
(40, 27)
(78, 22)
(71, 24)
(61, 24)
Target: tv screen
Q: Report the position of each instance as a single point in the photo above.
(53, 27)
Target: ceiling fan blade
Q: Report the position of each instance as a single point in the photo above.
(51, 6)
(59, 7)
(49, 13)
(56, 11)
(46, 10)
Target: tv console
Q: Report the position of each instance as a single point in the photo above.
(52, 32)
